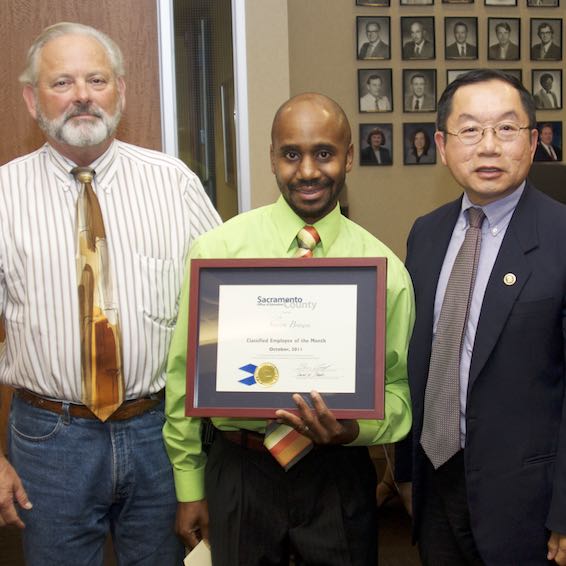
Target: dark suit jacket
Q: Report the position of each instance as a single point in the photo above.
(367, 156)
(512, 52)
(553, 54)
(382, 51)
(428, 104)
(452, 51)
(427, 52)
(515, 454)
(542, 155)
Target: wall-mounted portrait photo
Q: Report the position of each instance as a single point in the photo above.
(457, 1)
(372, 2)
(375, 90)
(549, 145)
(453, 74)
(373, 38)
(504, 39)
(547, 88)
(543, 3)
(500, 2)
(376, 144)
(416, 2)
(517, 73)
(419, 90)
(418, 144)
(417, 38)
(546, 39)
(460, 38)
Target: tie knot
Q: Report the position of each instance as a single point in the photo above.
(475, 217)
(307, 239)
(83, 174)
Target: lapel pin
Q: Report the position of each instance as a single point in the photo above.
(509, 279)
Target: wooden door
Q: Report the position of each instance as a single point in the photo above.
(132, 24)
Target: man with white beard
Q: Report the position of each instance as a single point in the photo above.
(93, 237)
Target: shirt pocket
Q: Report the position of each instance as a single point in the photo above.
(159, 288)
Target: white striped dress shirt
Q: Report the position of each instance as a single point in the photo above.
(153, 208)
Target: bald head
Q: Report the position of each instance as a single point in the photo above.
(316, 106)
(311, 152)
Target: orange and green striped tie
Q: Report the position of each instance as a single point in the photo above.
(286, 444)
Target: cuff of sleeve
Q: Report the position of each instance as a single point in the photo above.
(366, 434)
(189, 484)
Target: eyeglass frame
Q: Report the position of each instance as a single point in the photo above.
(484, 128)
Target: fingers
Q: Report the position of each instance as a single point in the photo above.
(557, 548)
(11, 489)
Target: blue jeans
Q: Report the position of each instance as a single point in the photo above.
(85, 479)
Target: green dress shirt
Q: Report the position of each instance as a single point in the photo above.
(270, 232)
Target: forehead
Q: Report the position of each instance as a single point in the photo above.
(372, 27)
(487, 101)
(68, 52)
(308, 123)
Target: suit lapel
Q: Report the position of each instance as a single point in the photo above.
(499, 299)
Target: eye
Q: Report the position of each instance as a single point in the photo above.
(291, 155)
(469, 130)
(324, 154)
(98, 81)
(61, 83)
(507, 128)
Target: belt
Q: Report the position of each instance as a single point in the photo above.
(126, 410)
(246, 439)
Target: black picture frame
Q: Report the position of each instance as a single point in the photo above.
(382, 153)
(547, 88)
(208, 276)
(375, 90)
(546, 39)
(419, 83)
(376, 3)
(369, 46)
(554, 128)
(453, 74)
(504, 33)
(416, 2)
(458, 1)
(418, 42)
(543, 3)
(500, 3)
(461, 38)
(418, 143)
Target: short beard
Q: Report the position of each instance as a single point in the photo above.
(84, 133)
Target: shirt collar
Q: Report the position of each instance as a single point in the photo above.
(288, 225)
(498, 213)
(105, 166)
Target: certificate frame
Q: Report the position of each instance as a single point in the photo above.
(207, 275)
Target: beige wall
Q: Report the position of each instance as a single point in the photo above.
(304, 45)
(268, 86)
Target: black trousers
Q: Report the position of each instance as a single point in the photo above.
(445, 534)
(323, 510)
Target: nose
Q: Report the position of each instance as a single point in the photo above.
(489, 142)
(308, 169)
(81, 91)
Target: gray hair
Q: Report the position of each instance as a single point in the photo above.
(29, 76)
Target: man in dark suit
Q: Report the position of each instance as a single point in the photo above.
(461, 49)
(374, 48)
(375, 153)
(498, 496)
(418, 47)
(546, 150)
(504, 49)
(546, 50)
(545, 97)
(416, 98)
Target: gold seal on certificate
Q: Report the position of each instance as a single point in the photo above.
(266, 374)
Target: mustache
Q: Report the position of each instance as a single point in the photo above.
(322, 184)
(83, 108)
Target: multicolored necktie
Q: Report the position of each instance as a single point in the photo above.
(101, 363)
(287, 445)
(440, 436)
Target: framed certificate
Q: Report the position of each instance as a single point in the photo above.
(263, 329)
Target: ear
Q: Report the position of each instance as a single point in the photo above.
(440, 140)
(272, 158)
(121, 83)
(534, 141)
(30, 100)
(349, 158)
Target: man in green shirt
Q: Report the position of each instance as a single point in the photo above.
(323, 509)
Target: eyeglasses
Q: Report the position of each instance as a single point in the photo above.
(504, 131)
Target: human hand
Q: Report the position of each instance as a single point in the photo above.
(11, 490)
(191, 523)
(557, 548)
(318, 424)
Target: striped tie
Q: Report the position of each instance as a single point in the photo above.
(102, 379)
(287, 445)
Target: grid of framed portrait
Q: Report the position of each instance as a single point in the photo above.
(468, 36)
